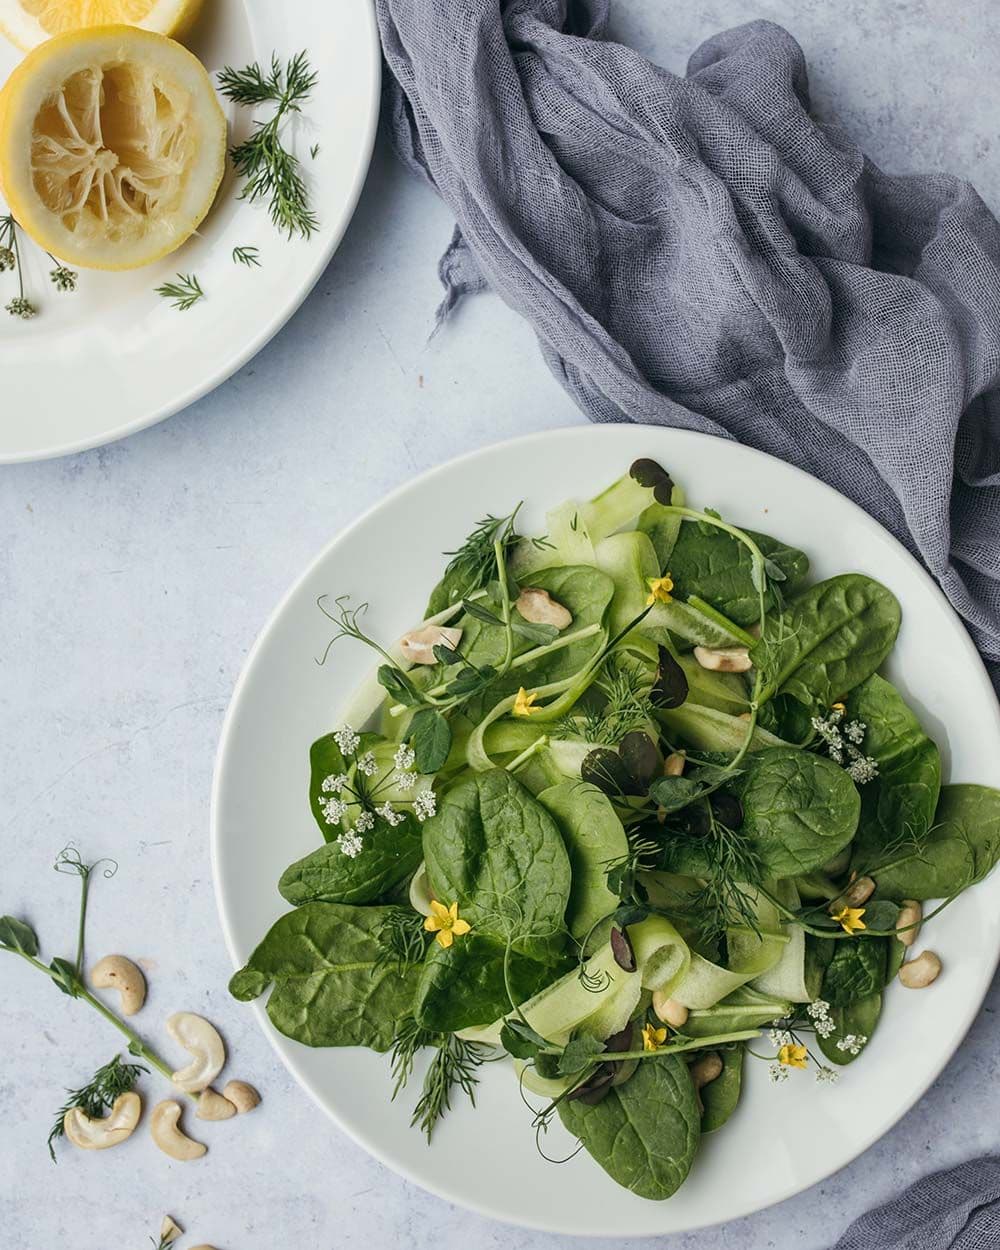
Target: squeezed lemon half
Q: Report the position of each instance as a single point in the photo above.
(30, 22)
(112, 146)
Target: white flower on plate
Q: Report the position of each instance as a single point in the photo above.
(347, 740)
(350, 844)
(335, 783)
(334, 810)
(852, 1043)
(390, 815)
(404, 758)
(425, 804)
(364, 823)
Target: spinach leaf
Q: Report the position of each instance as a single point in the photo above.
(828, 640)
(584, 591)
(903, 797)
(711, 564)
(959, 850)
(391, 854)
(497, 852)
(720, 1097)
(645, 1132)
(860, 1018)
(430, 734)
(594, 837)
(799, 809)
(335, 983)
(856, 971)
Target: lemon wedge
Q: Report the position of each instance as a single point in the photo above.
(30, 22)
(112, 146)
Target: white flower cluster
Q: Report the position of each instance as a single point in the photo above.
(779, 1038)
(778, 1073)
(827, 1075)
(819, 1013)
(852, 1043)
(337, 796)
(843, 745)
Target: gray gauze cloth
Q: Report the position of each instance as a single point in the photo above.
(700, 252)
(954, 1210)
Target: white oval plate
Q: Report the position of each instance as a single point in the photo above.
(485, 1157)
(114, 357)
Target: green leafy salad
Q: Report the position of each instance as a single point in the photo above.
(632, 807)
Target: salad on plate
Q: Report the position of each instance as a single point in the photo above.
(633, 808)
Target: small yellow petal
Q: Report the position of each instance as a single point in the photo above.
(849, 919)
(838, 707)
(659, 589)
(793, 1056)
(453, 910)
(653, 1038)
(432, 924)
(461, 927)
(439, 909)
(444, 938)
(523, 703)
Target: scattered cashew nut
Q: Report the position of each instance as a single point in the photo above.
(910, 913)
(726, 660)
(170, 1230)
(706, 1069)
(669, 1010)
(857, 893)
(202, 1039)
(418, 645)
(538, 607)
(103, 1132)
(920, 972)
(164, 1130)
(243, 1096)
(673, 765)
(214, 1106)
(115, 972)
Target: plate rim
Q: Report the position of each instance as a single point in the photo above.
(284, 1047)
(279, 319)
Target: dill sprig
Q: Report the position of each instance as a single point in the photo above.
(473, 565)
(248, 256)
(626, 707)
(271, 170)
(98, 1095)
(453, 1066)
(10, 259)
(725, 897)
(184, 293)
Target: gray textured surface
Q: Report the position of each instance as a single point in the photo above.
(134, 579)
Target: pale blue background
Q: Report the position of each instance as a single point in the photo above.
(133, 580)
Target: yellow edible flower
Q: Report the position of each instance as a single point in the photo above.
(653, 1038)
(659, 589)
(849, 919)
(523, 703)
(838, 707)
(793, 1056)
(445, 923)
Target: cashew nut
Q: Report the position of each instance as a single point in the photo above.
(202, 1039)
(910, 913)
(920, 972)
(170, 1230)
(243, 1096)
(115, 972)
(857, 893)
(669, 1010)
(726, 660)
(164, 1130)
(214, 1106)
(673, 765)
(706, 1069)
(418, 645)
(538, 607)
(103, 1132)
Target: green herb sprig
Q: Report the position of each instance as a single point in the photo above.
(272, 171)
(453, 1067)
(184, 293)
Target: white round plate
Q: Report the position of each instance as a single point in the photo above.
(485, 1158)
(114, 357)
